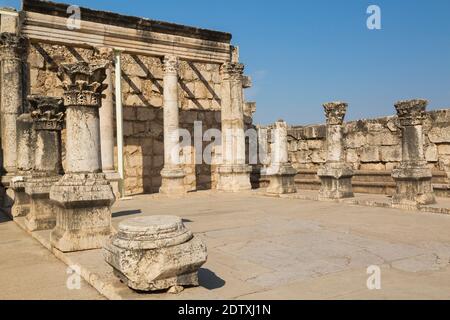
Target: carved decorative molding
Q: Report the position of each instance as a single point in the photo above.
(12, 46)
(335, 112)
(411, 112)
(83, 84)
(48, 113)
(171, 65)
(232, 71)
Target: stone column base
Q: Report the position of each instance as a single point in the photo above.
(83, 218)
(42, 215)
(8, 195)
(22, 201)
(281, 180)
(414, 187)
(155, 253)
(336, 181)
(113, 178)
(173, 181)
(234, 178)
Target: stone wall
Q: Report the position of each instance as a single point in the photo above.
(373, 145)
(142, 85)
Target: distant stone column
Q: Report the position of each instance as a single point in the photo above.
(172, 174)
(336, 175)
(234, 173)
(281, 174)
(83, 195)
(47, 114)
(26, 140)
(12, 48)
(412, 176)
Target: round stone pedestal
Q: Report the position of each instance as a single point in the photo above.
(155, 253)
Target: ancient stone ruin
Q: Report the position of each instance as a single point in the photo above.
(127, 106)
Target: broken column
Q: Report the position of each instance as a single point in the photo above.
(155, 253)
(336, 175)
(83, 195)
(412, 176)
(281, 174)
(47, 114)
(25, 163)
(234, 173)
(172, 174)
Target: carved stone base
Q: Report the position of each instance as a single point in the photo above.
(336, 181)
(413, 187)
(234, 178)
(83, 219)
(42, 215)
(22, 201)
(173, 182)
(155, 253)
(281, 179)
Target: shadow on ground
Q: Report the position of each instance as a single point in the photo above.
(126, 213)
(4, 218)
(209, 279)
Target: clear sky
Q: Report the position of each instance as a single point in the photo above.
(302, 53)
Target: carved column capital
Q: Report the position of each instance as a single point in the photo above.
(171, 64)
(411, 112)
(47, 112)
(83, 84)
(335, 112)
(232, 71)
(12, 46)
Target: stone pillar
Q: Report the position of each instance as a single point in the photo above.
(104, 55)
(336, 175)
(412, 176)
(48, 120)
(281, 174)
(25, 162)
(172, 173)
(83, 195)
(234, 174)
(12, 48)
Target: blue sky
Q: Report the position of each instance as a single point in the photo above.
(302, 53)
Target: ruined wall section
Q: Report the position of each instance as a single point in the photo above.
(142, 86)
(373, 145)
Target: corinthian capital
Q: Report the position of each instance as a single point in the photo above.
(47, 112)
(12, 46)
(335, 112)
(171, 65)
(411, 112)
(232, 71)
(83, 84)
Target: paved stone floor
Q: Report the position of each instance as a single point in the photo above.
(280, 248)
(30, 271)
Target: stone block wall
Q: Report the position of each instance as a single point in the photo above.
(142, 85)
(372, 145)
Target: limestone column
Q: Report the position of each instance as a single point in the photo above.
(12, 49)
(412, 176)
(47, 114)
(336, 175)
(104, 55)
(25, 162)
(83, 195)
(281, 174)
(172, 173)
(234, 173)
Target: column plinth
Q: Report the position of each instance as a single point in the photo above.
(172, 174)
(412, 176)
(47, 114)
(336, 175)
(281, 174)
(83, 195)
(234, 173)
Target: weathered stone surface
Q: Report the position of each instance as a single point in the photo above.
(155, 253)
